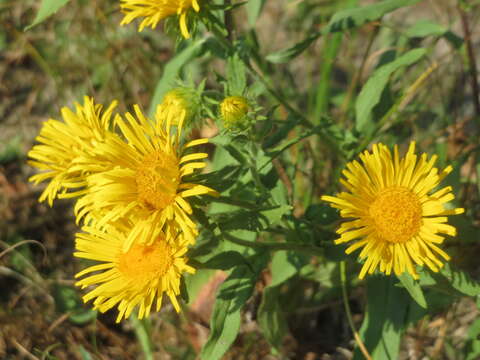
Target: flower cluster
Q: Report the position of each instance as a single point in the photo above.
(128, 174)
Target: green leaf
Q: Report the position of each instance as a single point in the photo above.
(472, 345)
(252, 220)
(236, 77)
(225, 260)
(414, 289)
(371, 93)
(142, 331)
(47, 8)
(84, 353)
(330, 50)
(11, 150)
(341, 21)
(286, 264)
(66, 298)
(453, 281)
(385, 318)
(350, 18)
(321, 214)
(231, 297)
(425, 28)
(271, 317)
(83, 316)
(286, 55)
(254, 8)
(275, 214)
(171, 71)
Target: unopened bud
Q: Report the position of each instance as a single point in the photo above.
(234, 110)
(179, 102)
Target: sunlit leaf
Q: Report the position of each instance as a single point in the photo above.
(371, 92)
(413, 288)
(231, 297)
(47, 8)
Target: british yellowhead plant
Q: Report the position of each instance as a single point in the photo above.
(297, 173)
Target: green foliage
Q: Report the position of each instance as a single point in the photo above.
(172, 69)
(414, 289)
(472, 348)
(385, 319)
(47, 8)
(236, 76)
(371, 93)
(354, 17)
(67, 300)
(341, 21)
(231, 297)
(254, 8)
(11, 151)
(451, 281)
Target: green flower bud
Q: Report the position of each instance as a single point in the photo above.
(234, 110)
(181, 101)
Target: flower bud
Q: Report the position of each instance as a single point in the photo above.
(234, 110)
(181, 101)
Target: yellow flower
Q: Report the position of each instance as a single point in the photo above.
(396, 220)
(178, 101)
(155, 10)
(133, 278)
(233, 110)
(142, 179)
(61, 143)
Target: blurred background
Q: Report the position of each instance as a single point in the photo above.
(82, 50)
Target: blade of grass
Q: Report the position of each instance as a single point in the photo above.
(143, 335)
(331, 47)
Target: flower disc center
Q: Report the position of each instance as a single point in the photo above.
(157, 179)
(396, 214)
(143, 262)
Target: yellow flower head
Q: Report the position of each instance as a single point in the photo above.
(142, 179)
(178, 101)
(62, 142)
(233, 110)
(133, 278)
(396, 219)
(155, 10)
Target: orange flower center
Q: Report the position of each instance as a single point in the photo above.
(144, 263)
(396, 214)
(157, 179)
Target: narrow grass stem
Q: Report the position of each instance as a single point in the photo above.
(358, 340)
(471, 59)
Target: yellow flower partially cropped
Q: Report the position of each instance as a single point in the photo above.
(133, 278)
(152, 11)
(234, 110)
(143, 179)
(61, 144)
(398, 216)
